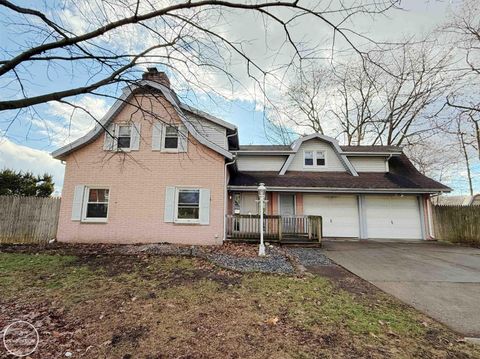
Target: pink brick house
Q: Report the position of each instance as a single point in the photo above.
(158, 170)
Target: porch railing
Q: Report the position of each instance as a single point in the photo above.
(244, 226)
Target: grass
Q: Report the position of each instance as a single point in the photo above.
(152, 306)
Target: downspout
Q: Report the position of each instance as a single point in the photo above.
(387, 164)
(225, 198)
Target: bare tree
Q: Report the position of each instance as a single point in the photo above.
(464, 28)
(305, 98)
(388, 101)
(411, 95)
(182, 34)
(356, 108)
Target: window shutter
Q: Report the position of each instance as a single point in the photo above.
(169, 204)
(182, 138)
(135, 137)
(157, 131)
(204, 206)
(77, 202)
(109, 144)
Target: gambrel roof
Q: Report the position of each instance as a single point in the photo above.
(170, 96)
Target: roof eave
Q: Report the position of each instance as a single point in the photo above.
(343, 190)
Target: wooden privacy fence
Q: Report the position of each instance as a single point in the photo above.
(460, 224)
(28, 219)
(275, 227)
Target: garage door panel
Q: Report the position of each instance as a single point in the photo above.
(339, 213)
(393, 217)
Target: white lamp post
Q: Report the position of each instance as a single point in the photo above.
(261, 198)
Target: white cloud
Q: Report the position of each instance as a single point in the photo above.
(66, 123)
(22, 158)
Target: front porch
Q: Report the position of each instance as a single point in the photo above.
(277, 228)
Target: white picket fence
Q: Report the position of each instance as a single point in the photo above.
(28, 219)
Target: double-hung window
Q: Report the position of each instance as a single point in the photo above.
(96, 204)
(124, 136)
(188, 205)
(314, 159)
(320, 158)
(171, 137)
(308, 158)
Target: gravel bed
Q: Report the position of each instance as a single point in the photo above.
(274, 262)
(309, 257)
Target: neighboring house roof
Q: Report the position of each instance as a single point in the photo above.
(457, 200)
(171, 97)
(403, 177)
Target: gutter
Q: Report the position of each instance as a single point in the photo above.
(342, 190)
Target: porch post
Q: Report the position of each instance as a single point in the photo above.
(261, 198)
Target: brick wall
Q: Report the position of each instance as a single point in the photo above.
(137, 182)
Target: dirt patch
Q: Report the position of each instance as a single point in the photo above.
(343, 279)
(130, 335)
(180, 278)
(60, 248)
(114, 265)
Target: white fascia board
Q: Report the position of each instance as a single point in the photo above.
(336, 147)
(118, 105)
(338, 190)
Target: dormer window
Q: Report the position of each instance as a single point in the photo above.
(308, 158)
(171, 137)
(124, 136)
(320, 158)
(314, 158)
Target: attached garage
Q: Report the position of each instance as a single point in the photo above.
(393, 217)
(339, 212)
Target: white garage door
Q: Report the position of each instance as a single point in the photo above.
(392, 217)
(340, 214)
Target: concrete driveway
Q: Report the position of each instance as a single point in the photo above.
(440, 280)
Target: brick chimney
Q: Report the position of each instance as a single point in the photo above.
(153, 74)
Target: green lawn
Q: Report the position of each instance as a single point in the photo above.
(116, 306)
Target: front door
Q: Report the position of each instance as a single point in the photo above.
(286, 204)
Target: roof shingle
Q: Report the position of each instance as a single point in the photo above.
(265, 148)
(402, 175)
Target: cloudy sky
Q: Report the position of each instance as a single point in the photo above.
(26, 142)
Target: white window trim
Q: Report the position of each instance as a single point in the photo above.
(184, 220)
(315, 159)
(123, 149)
(164, 135)
(86, 193)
